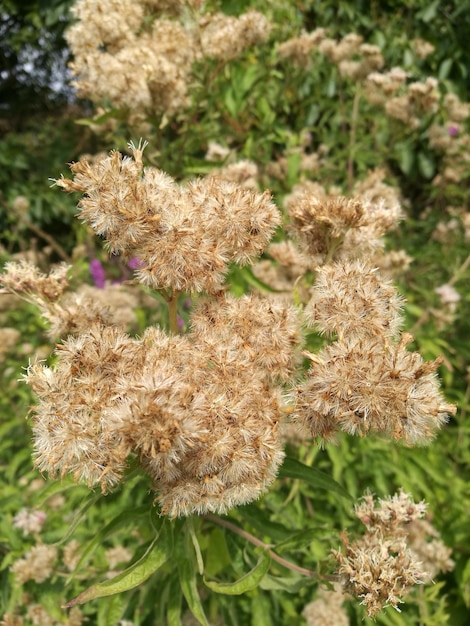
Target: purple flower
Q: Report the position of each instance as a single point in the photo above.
(453, 131)
(134, 263)
(97, 273)
(180, 322)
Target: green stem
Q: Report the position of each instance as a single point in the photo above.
(352, 139)
(172, 310)
(275, 557)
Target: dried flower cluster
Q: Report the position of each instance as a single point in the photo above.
(37, 565)
(327, 609)
(185, 236)
(333, 227)
(138, 55)
(384, 564)
(67, 312)
(354, 59)
(200, 412)
(366, 381)
(451, 140)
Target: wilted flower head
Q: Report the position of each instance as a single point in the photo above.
(363, 385)
(185, 236)
(379, 567)
(29, 521)
(69, 431)
(335, 227)
(226, 37)
(37, 565)
(351, 299)
(327, 609)
(26, 280)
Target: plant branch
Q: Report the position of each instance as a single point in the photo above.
(275, 557)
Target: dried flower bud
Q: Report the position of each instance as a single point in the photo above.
(368, 385)
(351, 300)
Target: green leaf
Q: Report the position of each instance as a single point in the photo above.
(110, 611)
(173, 611)
(80, 515)
(444, 69)
(405, 157)
(291, 584)
(426, 165)
(249, 581)
(261, 610)
(124, 518)
(259, 519)
(429, 12)
(301, 538)
(291, 468)
(158, 552)
(217, 556)
(188, 583)
(466, 583)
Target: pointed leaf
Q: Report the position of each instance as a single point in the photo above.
(249, 581)
(295, 469)
(124, 518)
(188, 583)
(158, 552)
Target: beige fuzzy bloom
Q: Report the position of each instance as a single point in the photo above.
(392, 263)
(184, 235)
(37, 565)
(346, 48)
(299, 49)
(27, 281)
(11, 620)
(117, 555)
(380, 86)
(336, 227)
(400, 108)
(264, 332)
(393, 554)
(425, 542)
(350, 299)
(242, 453)
(222, 447)
(39, 616)
(379, 567)
(70, 434)
(369, 59)
(76, 312)
(327, 609)
(457, 111)
(323, 223)
(245, 173)
(117, 59)
(200, 418)
(9, 338)
(226, 37)
(422, 48)
(29, 521)
(364, 385)
(71, 554)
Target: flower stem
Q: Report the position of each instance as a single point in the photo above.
(172, 310)
(275, 557)
(352, 139)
